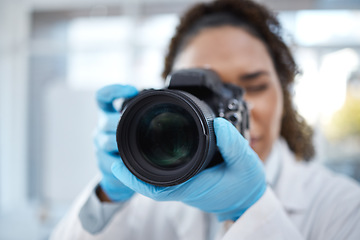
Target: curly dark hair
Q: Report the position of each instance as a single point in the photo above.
(263, 24)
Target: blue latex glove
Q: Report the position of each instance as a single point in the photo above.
(226, 190)
(105, 140)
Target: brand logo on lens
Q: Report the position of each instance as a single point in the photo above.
(166, 136)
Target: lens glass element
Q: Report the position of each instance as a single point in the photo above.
(167, 135)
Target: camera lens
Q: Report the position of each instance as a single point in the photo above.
(167, 136)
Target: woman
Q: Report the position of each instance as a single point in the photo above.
(284, 198)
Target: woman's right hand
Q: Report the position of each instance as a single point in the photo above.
(105, 142)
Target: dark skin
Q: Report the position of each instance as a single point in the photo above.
(241, 59)
(102, 195)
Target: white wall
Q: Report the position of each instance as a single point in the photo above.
(70, 118)
(15, 210)
(14, 26)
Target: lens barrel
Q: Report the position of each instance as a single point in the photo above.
(165, 137)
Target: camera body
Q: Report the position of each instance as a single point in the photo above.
(166, 136)
(225, 100)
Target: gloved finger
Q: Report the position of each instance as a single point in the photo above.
(126, 177)
(106, 142)
(229, 141)
(106, 95)
(108, 121)
(115, 189)
(105, 161)
(112, 183)
(207, 179)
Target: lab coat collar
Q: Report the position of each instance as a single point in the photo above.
(273, 164)
(284, 176)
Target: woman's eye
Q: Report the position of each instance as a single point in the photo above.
(257, 88)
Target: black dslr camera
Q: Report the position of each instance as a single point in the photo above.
(166, 136)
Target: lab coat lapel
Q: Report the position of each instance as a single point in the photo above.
(289, 187)
(284, 176)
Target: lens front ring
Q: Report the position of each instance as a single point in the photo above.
(131, 145)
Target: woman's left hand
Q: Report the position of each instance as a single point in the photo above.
(227, 189)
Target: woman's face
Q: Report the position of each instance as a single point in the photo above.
(242, 59)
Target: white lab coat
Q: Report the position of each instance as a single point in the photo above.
(302, 201)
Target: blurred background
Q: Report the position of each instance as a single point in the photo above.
(54, 54)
